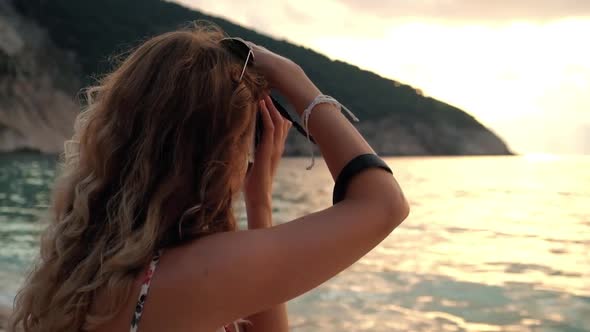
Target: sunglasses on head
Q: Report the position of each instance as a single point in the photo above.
(240, 49)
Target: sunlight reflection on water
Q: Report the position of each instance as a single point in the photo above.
(492, 244)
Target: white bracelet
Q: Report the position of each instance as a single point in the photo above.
(320, 99)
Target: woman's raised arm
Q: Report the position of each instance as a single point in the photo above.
(230, 275)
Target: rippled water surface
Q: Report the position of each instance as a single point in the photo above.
(492, 244)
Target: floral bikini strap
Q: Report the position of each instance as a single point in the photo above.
(145, 286)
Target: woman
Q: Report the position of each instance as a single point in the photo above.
(161, 154)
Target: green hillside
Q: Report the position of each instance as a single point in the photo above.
(96, 30)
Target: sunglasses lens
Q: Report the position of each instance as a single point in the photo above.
(237, 47)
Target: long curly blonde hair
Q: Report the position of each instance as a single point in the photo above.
(156, 160)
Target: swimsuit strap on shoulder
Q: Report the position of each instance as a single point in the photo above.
(145, 286)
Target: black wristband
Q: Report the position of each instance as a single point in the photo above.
(352, 168)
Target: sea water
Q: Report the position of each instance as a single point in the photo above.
(491, 244)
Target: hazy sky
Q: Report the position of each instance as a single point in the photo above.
(521, 67)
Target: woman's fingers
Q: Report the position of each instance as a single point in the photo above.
(288, 125)
(277, 119)
(275, 127)
(269, 127)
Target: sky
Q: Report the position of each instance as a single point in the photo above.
(520, 67)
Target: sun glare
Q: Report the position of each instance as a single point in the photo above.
(502, 74)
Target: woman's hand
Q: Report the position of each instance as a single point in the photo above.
(258, 181)
(286, 76)
(273, 66)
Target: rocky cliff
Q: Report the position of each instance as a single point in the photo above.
(37, 79)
